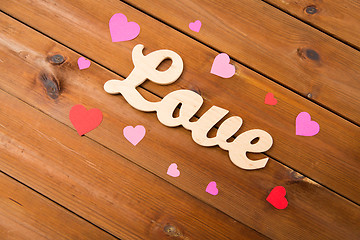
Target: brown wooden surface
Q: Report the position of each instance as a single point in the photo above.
(125, 189)
(340, 18)
(274, 44)
(101, 186)
(199, 165)
(25, 214)
(330, 158)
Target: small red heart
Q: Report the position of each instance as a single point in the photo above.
(270, 100)
(85, 120)
(277, 197)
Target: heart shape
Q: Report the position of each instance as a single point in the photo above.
(270, 99)
(121, 29)
(222, 67)
(304, 125)
(173, 171)
(195, 26)
(277, 197)
(212, 189)
(83, 63)
(134, 135)
(85, 120)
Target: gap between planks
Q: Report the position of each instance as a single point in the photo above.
(197, 117)
(124, 157)
(258, 77)
(251, 68)
(314, 26)
(118, 154)
(44, 196)
(323, 30)
(70, 125)
(216, 50)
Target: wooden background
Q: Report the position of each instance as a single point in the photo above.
(58, 185)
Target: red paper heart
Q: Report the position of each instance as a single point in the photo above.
(277, 197)
(270, 100)
(85, 120)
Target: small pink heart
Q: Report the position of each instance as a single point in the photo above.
(277, 197)
(83, 63)
(173, 171)
(222, 67)
(134, 135)
(121, 29)
(212, 189)
(270, 100)
(195, 26)
(304, 125)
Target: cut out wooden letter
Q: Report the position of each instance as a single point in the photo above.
(191, 102)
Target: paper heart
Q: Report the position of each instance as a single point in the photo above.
(85, 120)
(222, 67)
(270, 99)
(277, 197)
(195, 26)
(134, 135)
(212, 189)
(83, 63)
(173, 171)
(304, 125)
(121, 29)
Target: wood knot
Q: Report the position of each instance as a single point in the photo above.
(311, 10)
(56, 59)
(312, 54)
(50, 84)
(172, 231)
(307, 53)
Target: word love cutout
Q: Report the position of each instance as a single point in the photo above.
(145, 69)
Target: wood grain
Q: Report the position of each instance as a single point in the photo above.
(81, 169)
(25, 214)
(100, 185)
(331, 157)
(340, 18)
(275, 44)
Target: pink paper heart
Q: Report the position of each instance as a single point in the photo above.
(222, 67)
(85, 120)
(121, 29)
(304, 125)
(134, 135)
(83, 63)
(277, 197)
(270, 100)
(173, 171)
(195, 26)
(212, 189)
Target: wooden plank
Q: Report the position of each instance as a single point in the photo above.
(24, 214)
(99, 185)
(330, 158)
(275, 44)
(340, 18)
(242, 193)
